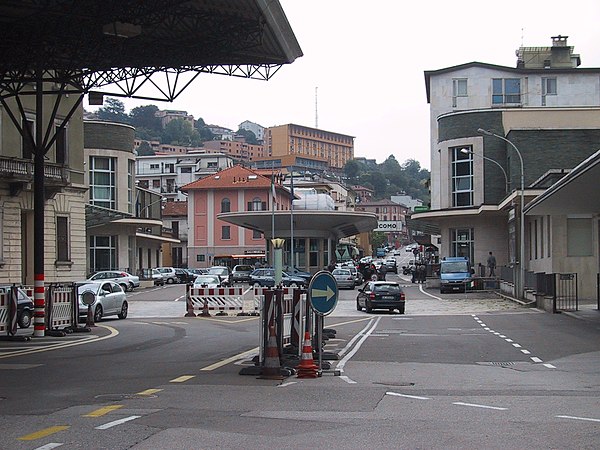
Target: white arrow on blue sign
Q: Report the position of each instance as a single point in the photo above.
(323, 293)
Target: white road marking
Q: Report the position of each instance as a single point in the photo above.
(549, 366)
(589, 419)
(508, 340)
(516, 346)
(427, 293)
(347, 379)
(479, 406)
(354, 338)
(416, 397)
(230, 360)
(483, 324)
(49, 446)
(536, 359)
(287, 384)
(114, 423)
(345, 359)
(527, 352)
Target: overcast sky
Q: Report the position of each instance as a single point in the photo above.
(367, 59)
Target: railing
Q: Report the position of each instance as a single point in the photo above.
(23, 169)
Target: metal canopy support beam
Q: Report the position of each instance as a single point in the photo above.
(39, 200)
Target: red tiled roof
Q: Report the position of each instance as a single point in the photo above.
(233, 177)
(175, 209)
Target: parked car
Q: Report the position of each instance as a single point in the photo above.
(185, 276)
(157, 277)
(127, 281)
(24, 306)
(207, 281)
(168, 274)
(241, 273)
(358, 277)
(198, 271)
(381, 295)
(110, 300)
(222, 272)
(295, 272)
(390, 264)
(344, 278)
(266, 278)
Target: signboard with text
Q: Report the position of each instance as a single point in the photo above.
(388, 225)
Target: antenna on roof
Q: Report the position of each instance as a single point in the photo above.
(316, 109)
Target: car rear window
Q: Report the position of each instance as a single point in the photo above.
(243, 268)
(386, 288)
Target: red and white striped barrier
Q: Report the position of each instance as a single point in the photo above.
(224, 300)
(60, 308)
(4, 315)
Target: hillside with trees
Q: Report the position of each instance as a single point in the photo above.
(390, 178)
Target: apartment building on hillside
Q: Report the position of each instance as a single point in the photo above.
(165, 174)
(237, 148)
(292, 139)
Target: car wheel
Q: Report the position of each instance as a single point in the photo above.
(124, 286)
(358, 307)
(25, 319)
(170, 281)
(130, 287)
(401, 310)
(124, 310)
(98, 314)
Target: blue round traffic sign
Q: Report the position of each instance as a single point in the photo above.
(323, 293)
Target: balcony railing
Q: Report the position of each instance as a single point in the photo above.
(22, 170)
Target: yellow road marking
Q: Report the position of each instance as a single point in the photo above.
(43, 433)
(103, 411)
(149, 392)
(182, 378)
(229, 360)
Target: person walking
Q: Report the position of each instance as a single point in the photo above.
(491, 263)
(422, 273)
(382, 272)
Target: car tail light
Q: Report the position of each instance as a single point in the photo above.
(402, 296)
(350, 278)
(372, 296)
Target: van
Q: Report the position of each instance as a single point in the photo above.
(455, 274)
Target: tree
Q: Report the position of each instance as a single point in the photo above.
(352, 169)
(249, 136)
(144, 117)
(145, 149)
(114, 111)
(180, 132)
(203, 130)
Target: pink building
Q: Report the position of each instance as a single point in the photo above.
(212, 241)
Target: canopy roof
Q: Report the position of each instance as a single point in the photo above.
(323, 224)
(99, 42)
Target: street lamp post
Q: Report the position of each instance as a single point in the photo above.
(521, 289)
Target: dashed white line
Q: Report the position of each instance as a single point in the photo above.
(549, 366)
(289, 383)
(516, 345)
(536, 359)
(588, 419)
(114, 423)
(527, 352)
(479, 406)
(416, 397)
(347, 379)
(49, 446)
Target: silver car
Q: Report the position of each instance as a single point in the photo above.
(110, 300)
(127, 281)
(344, 278)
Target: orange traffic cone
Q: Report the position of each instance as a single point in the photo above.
(272, 369)
(307, 367)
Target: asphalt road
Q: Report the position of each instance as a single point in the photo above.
(455, 371)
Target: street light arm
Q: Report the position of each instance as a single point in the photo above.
(464, 150)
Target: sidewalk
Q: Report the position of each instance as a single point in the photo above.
(586, 311)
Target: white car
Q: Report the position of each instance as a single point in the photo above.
(110, 300)
(127, 281)
(168, 274)
(222, 272)
(207, 281)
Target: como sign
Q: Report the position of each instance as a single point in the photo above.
(388, 225)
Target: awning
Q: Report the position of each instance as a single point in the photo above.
(152, 237)
(252, 255)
